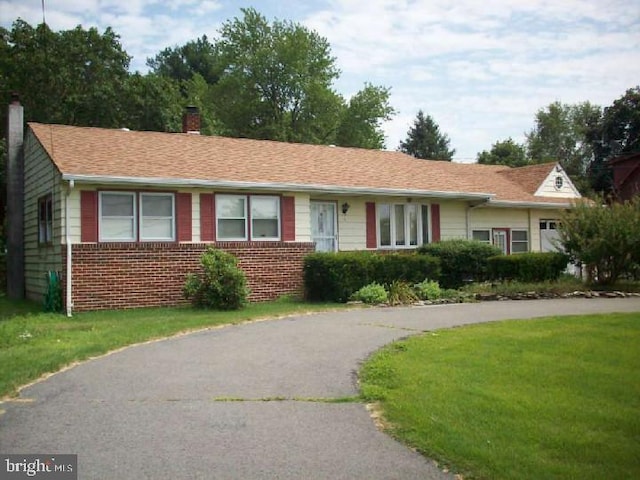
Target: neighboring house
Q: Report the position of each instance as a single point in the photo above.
(125, 215)
(626, 176)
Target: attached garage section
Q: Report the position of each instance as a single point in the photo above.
(549, 236)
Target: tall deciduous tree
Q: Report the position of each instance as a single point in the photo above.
(618, 133)
(507, 153)
(361, 119)
(183, 62)
(75, 76)
(273, 75)
(561, 133)
(424, 140)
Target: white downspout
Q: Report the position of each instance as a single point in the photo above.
(67, 227)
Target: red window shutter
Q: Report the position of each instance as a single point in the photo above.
(88, 216)
(183, 217)
(435, 222)
(207, 217)
(372, 238)
(288, 219)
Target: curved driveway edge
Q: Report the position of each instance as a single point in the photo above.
(246, 401)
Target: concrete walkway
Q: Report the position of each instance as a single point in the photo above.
(195, 406)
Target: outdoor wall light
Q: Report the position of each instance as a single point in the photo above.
(345, 207)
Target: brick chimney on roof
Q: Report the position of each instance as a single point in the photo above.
(191, 120)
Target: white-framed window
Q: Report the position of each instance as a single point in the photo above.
(129, 216)
(236, 213)
(402, 225)
(265, 217)
(519, 241)
(45, 219)
(117, 214)
(157, 217)
(481, 236)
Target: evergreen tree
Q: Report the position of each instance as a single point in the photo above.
(424, 140)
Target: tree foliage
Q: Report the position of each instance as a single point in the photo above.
(183, 62)
(507, 153)
(424, 140)
(81, 77)
(361, 119)
(562, 133)
(73, 77)
(604, 238)
(273, 80)
(617, 133)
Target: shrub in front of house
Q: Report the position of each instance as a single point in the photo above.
(335, 277)
(221, 285)
(461, 261)
(401, 293)
(528, 267)
(371, 294)
(428, 290)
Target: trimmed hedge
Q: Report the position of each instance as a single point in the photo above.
(334, 277)
(461, 261)
(528, 267)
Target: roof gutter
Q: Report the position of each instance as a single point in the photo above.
(540, 205)
(297, 187)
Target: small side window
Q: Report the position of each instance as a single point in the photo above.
(45, 219)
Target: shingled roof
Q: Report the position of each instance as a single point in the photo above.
(120, 156)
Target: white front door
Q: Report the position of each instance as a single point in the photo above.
(324, 226)
(501, 240)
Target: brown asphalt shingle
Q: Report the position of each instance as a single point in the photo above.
(85, 151)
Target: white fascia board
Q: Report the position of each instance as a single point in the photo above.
(541, 205)
(279, 187)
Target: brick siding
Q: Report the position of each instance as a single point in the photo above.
(127, 275)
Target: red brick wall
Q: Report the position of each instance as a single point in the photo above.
(128, 275)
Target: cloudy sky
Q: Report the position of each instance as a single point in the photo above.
(481, 69)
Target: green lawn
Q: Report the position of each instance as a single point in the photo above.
(557, 398)
(33, 343)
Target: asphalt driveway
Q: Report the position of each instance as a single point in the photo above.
(245, 401)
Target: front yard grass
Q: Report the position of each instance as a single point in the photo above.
(553, 398)
(34, 343)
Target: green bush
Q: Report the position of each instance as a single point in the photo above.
(528, 267)
(428, 290)
(335, 277)
(373, 293)
(401, 293)
(461, 261)
(221, 285)
(604, 238)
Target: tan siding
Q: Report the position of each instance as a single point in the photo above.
(483, 218)
(74, 215)
(303, 217)
(352, 227)
(41, 178)
(453, 221)
(195, 217)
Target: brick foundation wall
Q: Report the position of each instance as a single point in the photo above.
(115, 275)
